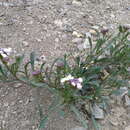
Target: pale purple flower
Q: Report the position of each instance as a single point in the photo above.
(60, 64)
(37, 72)
(79, 86)
(104, 31)
(77, 82)
(6, 59)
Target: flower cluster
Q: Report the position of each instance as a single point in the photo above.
(76, 82)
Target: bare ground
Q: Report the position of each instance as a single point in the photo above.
(46, 27)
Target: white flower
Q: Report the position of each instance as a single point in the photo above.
(80, 80)
(3, 55)
(63, 80)
(73, 83)
(79, 86)
(67, 78)
(5, 52)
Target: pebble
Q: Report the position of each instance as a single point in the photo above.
(88, 34)
(80, 47)
(113, 120)
(57, 40)
(58, 23)
(97, 112)
(123, 91)
(128, 8)
(128, 38)
(76, 34)
(77, 3)
(6, 4)
(39, 40)
(95, 27)
(17, 85)
(43, 58)
(78, 128)
(77, 40)
(112, 16)
(25, 44)
(93, 32)
(86, 44)
(127, 100)
(127, 128)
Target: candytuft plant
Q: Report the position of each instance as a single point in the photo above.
(76, 81)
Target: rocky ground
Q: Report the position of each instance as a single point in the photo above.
(51, 28)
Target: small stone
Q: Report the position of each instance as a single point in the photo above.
(20, 101)
(30, 22)
(67, 28)
(128, 38)
(76, 34)
(58, 23)
(120, 93)
(39, 40)
(57, 40)
(128, 116)
(128, 8)
(80, 47)
(17, 85)
(88, 34)
(6, 4)
(93, 32)
(25, 44)
(86, 44)
(6, 104)
(112, 16)
(43, 58)
(102, 23)
(95, 27)
(127, 100)
(113, 120)
(77, 40)
(123, 91)
(127, 128)
(77, 3)
(124, 123)
(97, 112)
(78, 128)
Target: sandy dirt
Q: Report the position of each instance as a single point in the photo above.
(46, 27)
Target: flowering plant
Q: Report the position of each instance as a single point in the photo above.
(95, 73)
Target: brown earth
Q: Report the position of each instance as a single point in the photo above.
(46, 27)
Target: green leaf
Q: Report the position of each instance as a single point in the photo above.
(87, 97)
(78, 115)
(2, 71)
(19, 60)
(43, 122)
(96, 125)
(26, 68)
(129, 92)
(61, 113)
(41, 68)
(32, 59)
